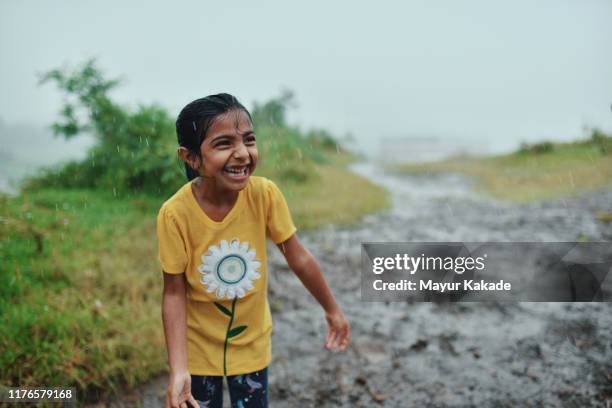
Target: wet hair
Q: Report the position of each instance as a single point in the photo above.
(197, 117)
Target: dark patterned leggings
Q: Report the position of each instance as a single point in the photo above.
(246, 390)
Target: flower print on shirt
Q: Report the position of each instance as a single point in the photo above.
(229, 270)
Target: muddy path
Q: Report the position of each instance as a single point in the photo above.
(444, 355)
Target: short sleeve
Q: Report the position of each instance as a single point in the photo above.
(172, 252)
(279, 223)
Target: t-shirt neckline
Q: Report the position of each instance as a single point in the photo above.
(205, 218)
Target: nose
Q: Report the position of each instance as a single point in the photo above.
(241, 152)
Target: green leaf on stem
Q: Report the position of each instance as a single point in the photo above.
(223, 309)
(236, 331)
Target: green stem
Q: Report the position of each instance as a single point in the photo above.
(229, 327)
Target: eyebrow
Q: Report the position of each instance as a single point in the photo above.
(231, 136)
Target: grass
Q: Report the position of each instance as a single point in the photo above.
(532, 174)
(80, 286)
(83, 308)
(334, 195)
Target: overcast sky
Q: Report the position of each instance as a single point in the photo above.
(503, 71)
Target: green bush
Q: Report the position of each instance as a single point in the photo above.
(136, 151)
(536, 148)
(602, 141)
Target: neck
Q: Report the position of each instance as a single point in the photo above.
(207, 190)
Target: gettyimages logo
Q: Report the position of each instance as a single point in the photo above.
(452, 271)
(412, 264)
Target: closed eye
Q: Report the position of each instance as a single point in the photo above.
(223, 143)
(249, 140)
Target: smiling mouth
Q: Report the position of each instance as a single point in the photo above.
(237, 171)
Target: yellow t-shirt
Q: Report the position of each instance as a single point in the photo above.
(228, 317)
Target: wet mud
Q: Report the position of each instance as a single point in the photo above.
(406, 354)
(447, 355)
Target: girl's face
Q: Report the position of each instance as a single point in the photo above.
(229, 151)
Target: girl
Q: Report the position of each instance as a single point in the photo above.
(212, 249)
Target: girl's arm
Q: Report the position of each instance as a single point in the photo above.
(307, 269)
(174, 317)
(175, 321)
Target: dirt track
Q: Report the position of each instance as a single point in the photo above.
(425, 354)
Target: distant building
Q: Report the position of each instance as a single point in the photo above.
(420, 149)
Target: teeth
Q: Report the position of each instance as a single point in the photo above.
(238, 170)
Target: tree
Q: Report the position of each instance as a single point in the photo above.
(135, 151)
(273, 112)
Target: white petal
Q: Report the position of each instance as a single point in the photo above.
(212, 287)
(221, 291)
(209, 277)
(214, 250)
(224, 247)
(248, 285)
(240, 292)
(210, 260)
(255, 265)
(231, 293)
(250, 255)
(253, 275)
(244, 247)
(235, 244)
(205, 268)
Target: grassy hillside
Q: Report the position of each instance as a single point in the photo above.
(537, 171)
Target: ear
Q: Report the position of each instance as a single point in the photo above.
(192, 159)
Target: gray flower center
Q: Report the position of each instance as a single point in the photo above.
(231, 269)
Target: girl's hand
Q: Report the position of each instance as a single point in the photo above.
(338, 332)
(179, 392)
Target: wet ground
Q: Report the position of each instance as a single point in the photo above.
(441, 355)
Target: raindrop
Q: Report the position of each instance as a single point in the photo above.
(147, 140)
